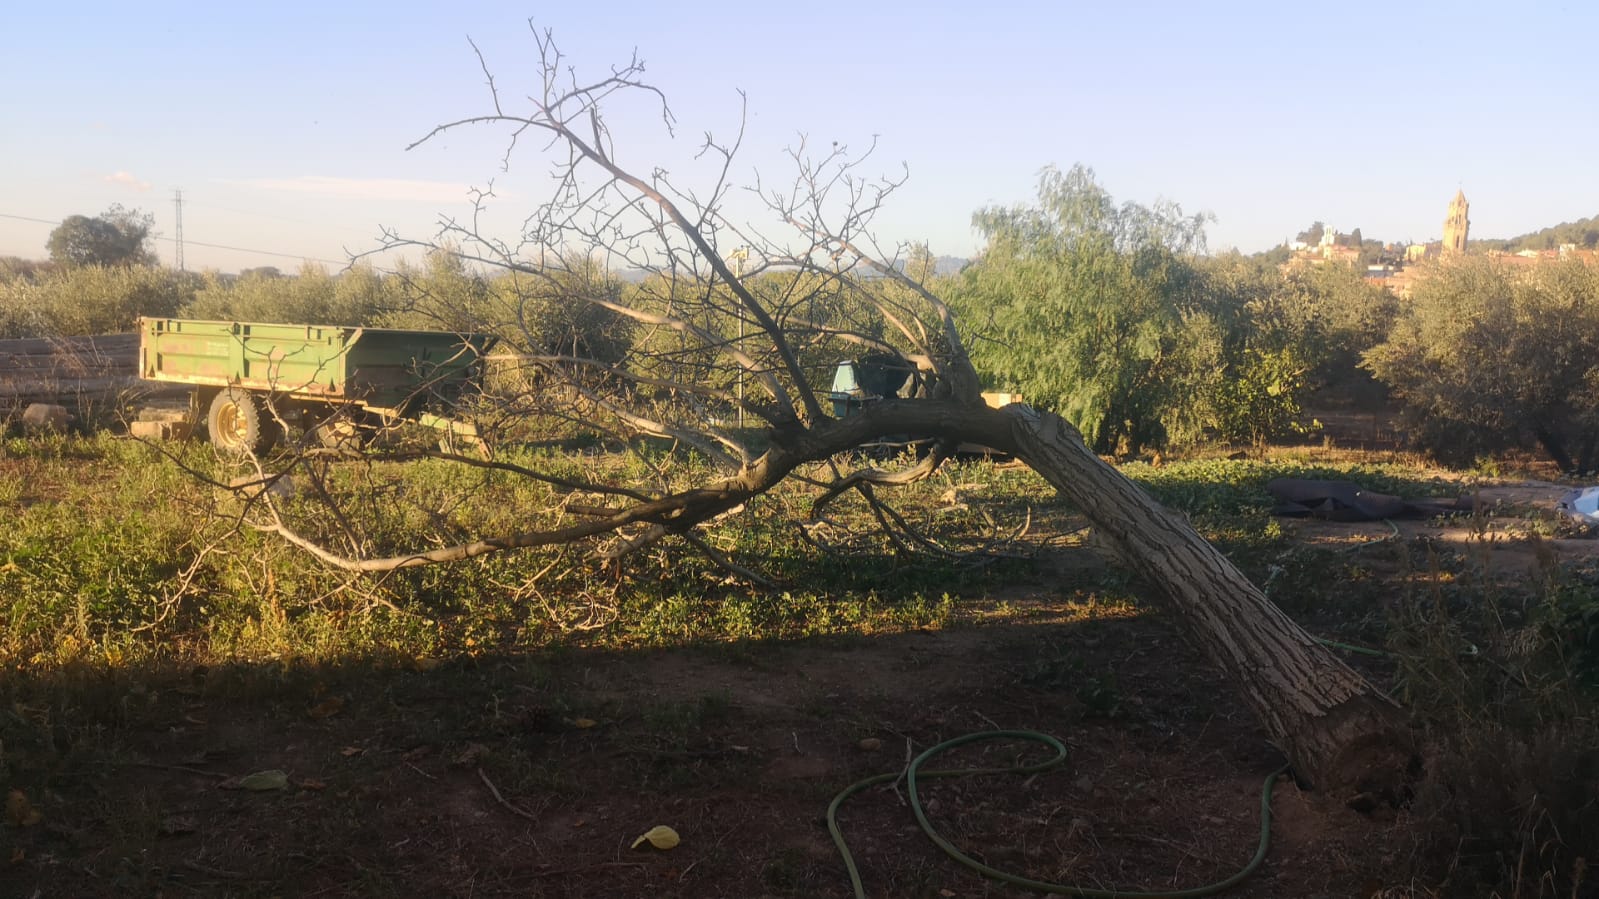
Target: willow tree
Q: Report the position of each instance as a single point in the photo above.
(1099, 311)
(729, 322)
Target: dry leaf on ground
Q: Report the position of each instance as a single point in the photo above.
(660, 836)
(19, 811)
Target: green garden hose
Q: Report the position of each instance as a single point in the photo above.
(913, 773)
(1470, 652)
(1350, 647)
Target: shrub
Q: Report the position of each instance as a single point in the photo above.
(1487, 357)
(1503, 688)
(89, 300)
(357, 296)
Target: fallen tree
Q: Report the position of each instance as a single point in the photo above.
(736, 322)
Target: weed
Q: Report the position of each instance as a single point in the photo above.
(673, 721)
(1499, 684)
(793, 871)
(1056, 666)
(1486, 467)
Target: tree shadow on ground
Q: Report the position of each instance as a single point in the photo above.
(532, 775)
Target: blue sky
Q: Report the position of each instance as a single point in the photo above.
(285, 124)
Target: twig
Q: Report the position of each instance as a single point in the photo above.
(501, 799)
(726, 563)
(1187, 852)
(185, 579)
(209, 871)
(159, 767)
(894, 785)
(918, 472)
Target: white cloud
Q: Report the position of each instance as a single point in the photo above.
(365, 188)
(127, 179)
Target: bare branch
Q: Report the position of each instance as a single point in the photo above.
(923, 469)
(822, 286)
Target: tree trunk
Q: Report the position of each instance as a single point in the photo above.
(1556, 448)
(1337, 729)
(1586, 459)
(1340, 732)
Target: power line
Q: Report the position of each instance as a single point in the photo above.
(29, 218)
(196, 243)
(218, 246)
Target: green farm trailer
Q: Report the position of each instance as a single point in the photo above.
(251, 380)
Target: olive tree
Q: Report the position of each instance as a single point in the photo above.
(89, 300)
(354, 296)
(1487, 357)
(732, 315)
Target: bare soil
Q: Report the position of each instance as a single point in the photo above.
(1516, 533)
(503, 775)
(518, 776)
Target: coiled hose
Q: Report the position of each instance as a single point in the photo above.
(914, 773)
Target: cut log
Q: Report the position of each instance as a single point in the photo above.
(72, 371)
(1340, 732)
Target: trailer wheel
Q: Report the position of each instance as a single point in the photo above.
(239, 422)
(347, 435)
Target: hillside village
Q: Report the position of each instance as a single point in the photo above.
(1397, 267)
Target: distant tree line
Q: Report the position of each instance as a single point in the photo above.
(1111, 314)
(1582, 233)
(1371, 250)
(439, 293)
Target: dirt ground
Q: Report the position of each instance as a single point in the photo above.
(522, 777)
(1516, 533)
(534, 776)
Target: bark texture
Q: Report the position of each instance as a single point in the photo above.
(1337, 729)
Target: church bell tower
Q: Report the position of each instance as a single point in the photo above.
(1456, 225)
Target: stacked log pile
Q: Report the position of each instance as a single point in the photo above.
(71, 371)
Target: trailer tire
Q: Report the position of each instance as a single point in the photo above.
(240, 422)
(344, 434)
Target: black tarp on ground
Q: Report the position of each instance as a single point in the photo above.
(1348, 501)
